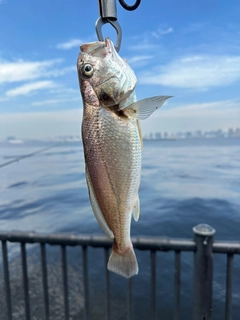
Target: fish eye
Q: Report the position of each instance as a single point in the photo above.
(88, 69)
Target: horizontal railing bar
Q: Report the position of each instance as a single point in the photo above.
(232, 247)
(141, 242)
(163, 244)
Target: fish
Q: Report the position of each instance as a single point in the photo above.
(112, 144)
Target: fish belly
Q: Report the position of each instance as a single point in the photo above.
(113, 159)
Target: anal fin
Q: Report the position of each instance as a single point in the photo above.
(140, 134)
(136, 211)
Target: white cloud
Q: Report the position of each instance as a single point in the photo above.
(30, 125)
(55, 101)
(26, 70)
(199, 72)
(61, 90)
(191, 117)
(30, 87)
(139, 58)
(203, 109)
(161, 32)
(60, 72)
(147, 40)
(143, 45)
(46, 102)
(70, 44)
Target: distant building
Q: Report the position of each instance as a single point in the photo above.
(10, 138)
(198, 134)
(220, 133)
(188, 134)
(158, 135)
(237, 133)
(230, 132)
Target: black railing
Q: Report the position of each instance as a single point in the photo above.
(202, 245)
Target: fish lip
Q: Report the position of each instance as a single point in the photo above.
(90, 47)
(108, 43)
(111, 48)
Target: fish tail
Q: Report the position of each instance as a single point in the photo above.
(124, 263)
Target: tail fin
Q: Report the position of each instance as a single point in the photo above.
(124, 264)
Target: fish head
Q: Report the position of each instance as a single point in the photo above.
(102, 70)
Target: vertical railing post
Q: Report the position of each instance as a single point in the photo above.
(153, 284)
(107, 288)
(85, 282)
(203, 272)
(6, 279)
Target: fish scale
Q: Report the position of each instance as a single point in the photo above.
(125, 163)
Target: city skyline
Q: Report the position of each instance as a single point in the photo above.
(220, 133)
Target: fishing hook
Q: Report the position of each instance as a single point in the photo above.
(100, 22)
(108, 14)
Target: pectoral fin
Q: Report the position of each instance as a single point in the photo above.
(136, 211)
(144, 108)
(96, 209)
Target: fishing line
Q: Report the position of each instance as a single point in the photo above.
(29, 155)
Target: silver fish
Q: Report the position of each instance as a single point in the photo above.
(112, 145)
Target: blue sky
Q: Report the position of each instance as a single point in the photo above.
(188, 49)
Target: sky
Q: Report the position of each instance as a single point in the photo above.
(186, 49)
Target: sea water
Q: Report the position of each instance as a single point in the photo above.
(183, 183)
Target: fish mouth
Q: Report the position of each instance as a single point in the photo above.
(98, 49)
(92, 46)
(111, 49)
(109, 44)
